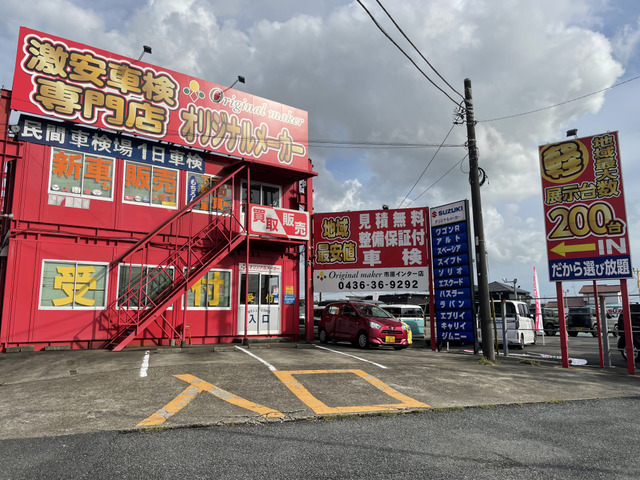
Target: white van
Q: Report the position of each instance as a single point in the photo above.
(412, 315)
(520, 325)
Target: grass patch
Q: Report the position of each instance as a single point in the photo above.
(528, 361)
(486, 361)
(445, 409)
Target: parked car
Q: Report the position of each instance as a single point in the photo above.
(613, 312)
(582, 319)
(520, 324)
(412, 315)
(363, 324)
(550, 320)
(635, 332)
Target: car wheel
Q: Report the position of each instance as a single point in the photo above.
(535, 338)
(520, 345)
(594, 331)
(363, 340)
(324, 338)
(635, 351)
(548, 330)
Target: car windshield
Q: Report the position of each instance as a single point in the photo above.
(372, 311)
(412, 312)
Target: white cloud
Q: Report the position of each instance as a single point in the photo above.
(625, 43)
(329, 59)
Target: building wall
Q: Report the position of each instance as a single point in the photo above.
(97, 232)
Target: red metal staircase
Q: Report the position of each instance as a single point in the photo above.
(149, 294)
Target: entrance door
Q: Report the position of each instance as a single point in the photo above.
(263, 304)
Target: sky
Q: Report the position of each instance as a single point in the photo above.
(375, 120)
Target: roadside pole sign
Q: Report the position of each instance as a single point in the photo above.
(452, 272)
(371, 251)
(585, 218)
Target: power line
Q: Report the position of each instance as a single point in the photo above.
(378, 145)
(558, 104)
(443, 175)
(405, 53)
(416, 49)
(428, 164)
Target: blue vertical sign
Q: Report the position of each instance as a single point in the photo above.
(452, 272)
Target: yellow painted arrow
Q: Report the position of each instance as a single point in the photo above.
(563, 249)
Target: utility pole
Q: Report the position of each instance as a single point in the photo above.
(476, 206)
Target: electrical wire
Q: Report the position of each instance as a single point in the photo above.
(416, 49)
(405, 53)
(379, 145)
(558, 104)
(428, 164)
(434, 183)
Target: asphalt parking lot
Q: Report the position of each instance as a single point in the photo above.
(55, 393)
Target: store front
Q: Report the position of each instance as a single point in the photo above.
(125, 230)
(261, 312)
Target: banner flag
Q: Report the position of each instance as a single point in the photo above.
(536, 296)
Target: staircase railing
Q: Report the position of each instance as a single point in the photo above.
(149, 291)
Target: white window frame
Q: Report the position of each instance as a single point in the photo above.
(72, 306)
(243, 187)
(206, 307)
(146, 265)
(92, 195)
(186, 195)
(141, 202)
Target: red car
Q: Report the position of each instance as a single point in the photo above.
(362, 323)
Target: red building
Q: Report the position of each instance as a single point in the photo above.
(125, 214)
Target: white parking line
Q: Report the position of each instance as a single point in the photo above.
(271, 367)
(352, 356)
(145, 364)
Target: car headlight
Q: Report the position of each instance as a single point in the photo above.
(374, 325)
(405, 326)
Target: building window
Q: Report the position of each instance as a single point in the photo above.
(73, 285)
(219, 202)
(156, 281)
(211, 292)
(81, 175)
(262, 194)
(151, 185)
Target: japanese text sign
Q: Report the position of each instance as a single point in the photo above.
(375, 250)
(77, 83)
(585, 217)
(452, 269)
(98, 142)
(278, 222)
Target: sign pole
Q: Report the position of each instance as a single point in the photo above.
(600, 322)
(628, 325)
(309, 294)
(563, 325)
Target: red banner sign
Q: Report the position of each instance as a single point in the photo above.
(375, 250)
(76, 83)
(585, 216)
(279, 222)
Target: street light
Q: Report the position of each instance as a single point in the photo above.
(145, 49)
(240, 79)
(514, 281)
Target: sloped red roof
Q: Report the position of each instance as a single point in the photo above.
(587, 289)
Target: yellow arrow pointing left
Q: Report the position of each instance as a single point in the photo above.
(562, 248)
